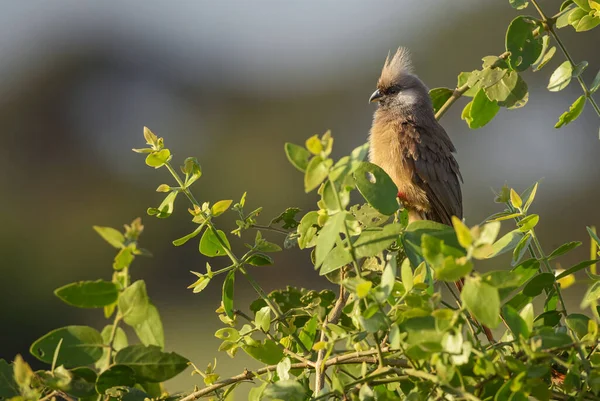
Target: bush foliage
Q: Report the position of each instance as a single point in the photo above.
(396, 328)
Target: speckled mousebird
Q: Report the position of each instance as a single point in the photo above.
(411, 146)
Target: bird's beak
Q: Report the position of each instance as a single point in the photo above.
(375, 96)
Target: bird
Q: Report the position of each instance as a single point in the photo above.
(409, 144)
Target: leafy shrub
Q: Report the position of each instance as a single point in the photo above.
(396, 327)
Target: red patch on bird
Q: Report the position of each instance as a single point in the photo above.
(402, 195)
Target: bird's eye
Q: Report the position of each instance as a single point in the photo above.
(393, 90)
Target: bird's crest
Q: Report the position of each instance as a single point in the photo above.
(395, 67)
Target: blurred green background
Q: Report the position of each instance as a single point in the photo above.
(230, 82)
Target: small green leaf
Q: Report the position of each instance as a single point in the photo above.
(576, 268)
(133, 303)
(158, 159)
(586, 23)
(220, 207)
(263, 319)
(482, 300)
(289, 390)
(578, 323)
(515, 322)
(309, 331)
(591, 296)
(373, 241)
(595, 83)
(510, 92)
(316, 172)
(81, 346)
(439, 96)
(260, 259)
(328, 236)
(297, 155)
(116, 375)
(288, 217)
(538, 284)
(149, 136)
(151, 364)
(561, 77)
(564, 248)
(150, 330)
(186, 238)
(528, 222)
(506, 243)
(8, 386)
(210, 244)
(313, 144)
(480, 110)
(530, 198)
(523, 45)
(462, 233)
(201, 283)
(227, 299)
(453, 269)
(406, 274)
(335, 259)
(519, 4)
(112, 236)
(521, 248)
(88, 294)
(579, 68)
(571, 115)
(363, 288)
(123, 258)
(267, 352)
(377, 188)
(515, 199)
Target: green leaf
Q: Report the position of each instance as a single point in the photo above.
(510, 92)
(528, 222)
(530, 198)
(116, 375)
(411, 238)
(133, 303)
(309, 331)
(165, 209)
(263, 319)
(482, 300)
(463, 234)
(564, 248)
(578, 323)
(220, 207)
(210, 244)
(297, 155)
(523, 46)
(8, 386)
(515, 199)
(227, 298)
(150, 330)
(519, 4)
(81, 346)
(267, 352)
(406, 274)
(515, 322)
(586, 23)
(453, 269)
(595, 83)
(592, 233)
(260, 259)
(151, 364)
(579, 68)
(110, 235)
(288, 217)
(576, 268)
(439, 96)
(561, 77)
(289, 390)
(480, 110)
(316, 172)
(565, 12)
(158, 159)
(186, 238)
(372, 241)
(328, 236)
(539, 283)
(335, 259)
(313, 144)
(574, 111)
(120, 341)
(307, 230)
(583, 4)
(506, 243)
(521, 248)
(467, 78)
(377, 188)
(544, 58)
(591, 296)
(88, 294)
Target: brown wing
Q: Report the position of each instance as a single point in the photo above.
(428, 150)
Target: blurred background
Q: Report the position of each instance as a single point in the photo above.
(230, 82)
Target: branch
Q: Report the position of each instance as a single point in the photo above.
(458, 92)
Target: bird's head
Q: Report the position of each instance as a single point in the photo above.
(398, 86)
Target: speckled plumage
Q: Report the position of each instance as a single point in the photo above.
(412, 147)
